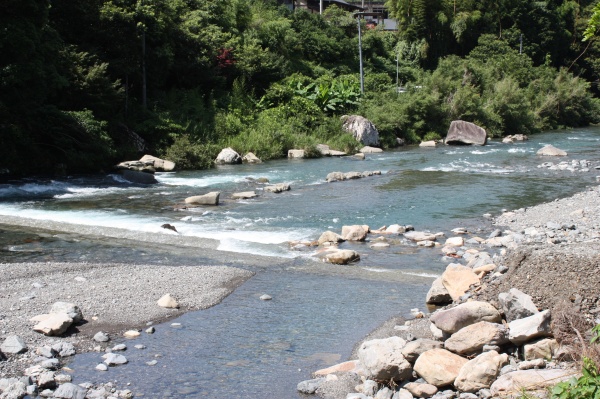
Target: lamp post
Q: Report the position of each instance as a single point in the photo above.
(362, 78)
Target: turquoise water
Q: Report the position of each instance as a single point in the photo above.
(248, 348)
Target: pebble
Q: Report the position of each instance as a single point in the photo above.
(102, 367)
(265, 297)
(140, 346)
(119, 347)
(152, 362)
(150, 330)
(101, 336)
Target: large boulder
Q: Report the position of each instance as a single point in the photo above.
(296, 153)
(362, 129)
(228, 156)
(481, 372)
(550, 150)
(461, 132)
(382, 359)
(517, 381)
(439, 367)
(277, 188)
(330, 237)
(54, 324)
(528, 328)
(414, 349)
(251, 158)
(438, 294)
(544, 348)
(13, 344)
(417, 236)
(453, 319)
(457, 279)
(244, 195)
(70, 391)
(211, 198)
(471, 339)
(342, 256)
(516, 304)
(69, 308)
(158, 164)
(370, 150)
(354, 233)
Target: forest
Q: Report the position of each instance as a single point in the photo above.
(86, 84)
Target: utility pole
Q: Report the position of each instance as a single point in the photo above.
(321, 7)
(362, 79)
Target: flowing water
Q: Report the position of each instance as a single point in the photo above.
(247, 348)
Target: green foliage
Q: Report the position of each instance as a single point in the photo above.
(188, 154)
(593, 24)
(585, 387)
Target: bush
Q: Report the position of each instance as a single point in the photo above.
(190, 155)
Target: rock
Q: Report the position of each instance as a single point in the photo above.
(352, 175)
(62, 378)
(430, 143)
(414, 349)
(101, 337)
(362, 129)
(251, 158)
(70, 391)
(402, 394)
(134, 176)
(277, 188)
(457, 279)
(330, 237)
(46, 380)
(541, 349)
(382, 359)
(471, 339)
(419, 236)
(309, 387)
(523, 330)
(296, 154)
(211, 198)
(550, 150)
(370, 150)
(516, 304)
(438, 334)
(517, 381)
(420, 390)
(102, 367)
(119, 347)
(354, 233)
(480, 372)
(479, 259)
(532, 364)
(167, 301)
(68, 308)
(12, 345)
(244, 195)
(356, 396)
(439, 367)
(438, 294)
(265, 297)
(334, 176)
(228, 156)
(379, 245)
(345, 367)
(359, 156)
(461, 132)
(131, 334)
(324, 149)
(150, 330)
(64, 349)
(113, 359)
(15, 390)
(384, 393)
(453, 319)
(342, 256)
(395, 229)
(369, 388)
(54, 324)
(158, 164)
(45, 351)
(50, 364)
(139, 346)
(455, 241)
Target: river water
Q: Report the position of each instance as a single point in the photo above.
(248, 348)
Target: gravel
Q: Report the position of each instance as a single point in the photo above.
(112, 297)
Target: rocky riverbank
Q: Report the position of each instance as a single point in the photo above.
(516, 301)
(111, 298)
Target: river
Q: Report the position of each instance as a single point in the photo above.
(247, 348)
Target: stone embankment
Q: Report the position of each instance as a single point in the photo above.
(500, 331)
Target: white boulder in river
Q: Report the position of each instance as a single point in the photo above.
(362, 129)
(383, 359)
(461, 132)
(211, 198)
(228, 156)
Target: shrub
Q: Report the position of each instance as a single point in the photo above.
(190, 155)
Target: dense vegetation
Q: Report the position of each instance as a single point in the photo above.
(84, 84)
